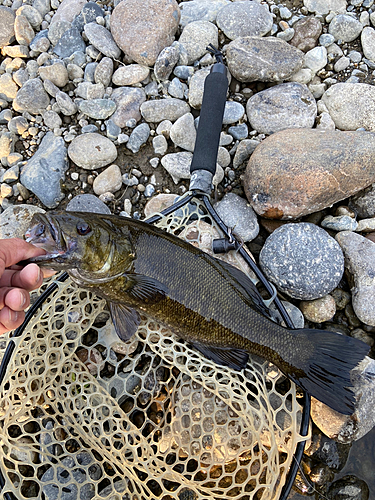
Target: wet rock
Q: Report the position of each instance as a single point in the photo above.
(294, 253)
(129, 75)
(183, 132)
(196, 88)
(344, 27)
(68, 10)
(87, 203)
(165, 109)
(31, 97)
(103, 72)
(69, 42)
(15, 220)
(166, 61)
(238, 215)
(348, 488)
(360, 262)
(91, 151)
(102, 40)
(178, 166)
(289, 105)
(128, 101)
(351, 105)
(56, 73)
(99, 109)
(300, 171)
(196, 37)
(325, 6)
(108, 181)
(138, 137)
(43, 174)
(7, 17)
(262, 59)
(328, 451)
(143, 41)
(306, 33)
(241, 19)
(368, 43)
(201, 10)
(23, 30)
(319, 310)
(340, 223)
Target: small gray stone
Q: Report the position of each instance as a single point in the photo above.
(341, 64)
(243, 151)
(70, 42)
(42, 35)
(56, 73)
(91, 151)
(286, 35)
(66, 105)
(130, 74)
(183, 72)
(128, 101)
(138, 137)
(240, 19)
(165, 109)
(88, 14)
(31, 98)
(364, 225)
(325, 6)
(68, 10)
(88, 90)
(364, 202)
(166, 61)
(355, 56)
(113, 130)
(239, 132)
(178, 166)
(50, 88)
(340, 223)
(160, 145)
(56, 31)
(183, 133)
(176, 88)
(87, 203)
(196, 36)
(42, 6)
(316, 58)
(262, 59)
(368, 43)
(196, 88)
(18, 125)
(351, 105)
(238, 215)
(223, 157)
(103, 72)
(233, 112)
(200, 10)
(8, 87)
(108, 181)
(99, 109)
(288, 105)
(52, 119)
(7, 17)
(87, 129)
(302, 260)
(31, 14)
(344, 27)
(43, 174)
(15, 220)
(326, 39)
(102, 39)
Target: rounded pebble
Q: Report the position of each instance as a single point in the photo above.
(92, 151)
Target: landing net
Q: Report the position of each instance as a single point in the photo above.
(85, 416)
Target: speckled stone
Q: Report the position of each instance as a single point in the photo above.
(68, 10)
(99, 109)
(138, 137)
(91, 151)
(143, 29)
(233, 112)
(300, 171)
(103, 71)
(102, 40)
(344, 27)
(15, 220)
(31, 97)
(7, 17)
(128, 101)
(240, 19)
(325, 6)
(165, 109)
(88, 14)
(364, 202)
(319, 310)
(306, 33)
(196, 88)
(288, 105)
(302, 260)
(262, 59)
(130, 74)
(237, 214)
(339, 223)
(69, 42)
(166, 61)
(196, 36)
(87, 203)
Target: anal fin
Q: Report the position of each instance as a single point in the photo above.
(233, 358)
(125, 320)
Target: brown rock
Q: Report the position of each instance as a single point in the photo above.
(128, 102)
(307, 31)
(23, 30)
(296, 172)
(143, 29)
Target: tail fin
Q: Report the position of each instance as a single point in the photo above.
(326, 373)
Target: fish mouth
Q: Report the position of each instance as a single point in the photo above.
(46, 233)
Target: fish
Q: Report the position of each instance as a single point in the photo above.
(139, 268)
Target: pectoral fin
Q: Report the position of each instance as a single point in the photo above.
(145, 288)
(125, 320)
(234, 358)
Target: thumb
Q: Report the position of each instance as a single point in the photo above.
(13, 250)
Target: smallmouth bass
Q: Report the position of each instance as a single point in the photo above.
(212, 305)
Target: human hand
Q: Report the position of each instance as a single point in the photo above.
(17, 282)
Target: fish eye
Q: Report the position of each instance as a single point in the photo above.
(83, 228)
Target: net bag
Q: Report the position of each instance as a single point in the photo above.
(86, 416)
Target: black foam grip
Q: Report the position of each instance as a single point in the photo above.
(210, 123)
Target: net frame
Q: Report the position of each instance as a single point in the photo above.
(183, 207)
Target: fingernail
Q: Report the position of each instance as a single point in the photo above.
(22, 300)
(13, 316)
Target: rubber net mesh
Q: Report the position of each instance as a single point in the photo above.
(83, 415)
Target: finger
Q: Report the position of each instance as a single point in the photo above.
(10, 320)
(14, 250)
(15, 298)
(29, 278)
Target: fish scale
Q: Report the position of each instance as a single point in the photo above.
(209, 303)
